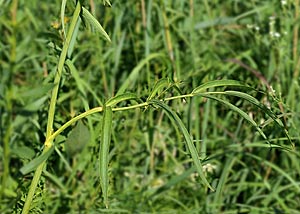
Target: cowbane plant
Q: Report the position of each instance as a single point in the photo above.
(162, 93)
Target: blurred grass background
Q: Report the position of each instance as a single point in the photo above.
(255, 42)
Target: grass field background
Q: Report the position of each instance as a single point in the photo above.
(165, 82)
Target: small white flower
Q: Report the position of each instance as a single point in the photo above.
(272, 18)
(283, 2)
(277, 34)
(209, 168)
(274, 34)
(272, 92)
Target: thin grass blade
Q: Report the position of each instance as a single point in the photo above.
(130, 81)
(278, 169)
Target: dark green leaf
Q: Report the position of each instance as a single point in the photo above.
(77, 139)
(189, 143)
(217, 83)
(122, 97)
(32, 165)
(94, 23)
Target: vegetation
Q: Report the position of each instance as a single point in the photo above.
(151, 106)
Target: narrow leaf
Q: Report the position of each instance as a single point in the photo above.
(122, 97)
(80, 82)
(62, 16)
(94, 23)
(162, 83)
(73, 38)
(217, 83)
(75, 74)
(23, 152)
(107, 2)
(191, 147)
(278, 169)
(36, 92)
(254, 101)
(32, 165)
(239, 111)
(104, 151)
(35, 105)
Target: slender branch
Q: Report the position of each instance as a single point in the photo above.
(59, 72)
(48, 143)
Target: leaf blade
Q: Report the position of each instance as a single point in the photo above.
(217, 83)
(239, 111)
(77, 139)
(104, 151)
(94, 23)
(191, 147)
(122, 97)
(160, 84)
(32, 165)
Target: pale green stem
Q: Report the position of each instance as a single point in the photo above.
(48, 144)
(60, 70)
(100, 109)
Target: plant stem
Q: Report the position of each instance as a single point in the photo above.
(60, 70)
(48, 144)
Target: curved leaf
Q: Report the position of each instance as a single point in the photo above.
(160, 84)
(254, 101)
(122, 97)
(217, 83)
(94, 23)
(189, 143)
(239, 111)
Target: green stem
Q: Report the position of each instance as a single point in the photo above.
(60, 70)
(100, 109)
(48, 144)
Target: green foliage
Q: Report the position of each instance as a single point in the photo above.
(188, 106)
(78, 138)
